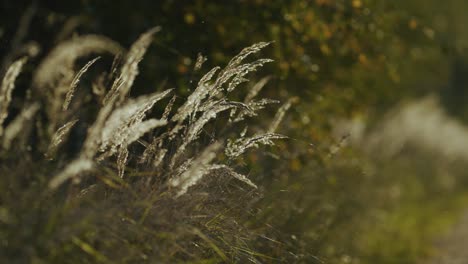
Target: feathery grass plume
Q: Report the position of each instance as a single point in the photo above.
(195, 99)
(17, 126)
(126, 121)
(74, 83)
(243, 70)
(280, 114)
(71, 171)
(8, 84)
(99, 85)
(239, 146)
(195, 170)
(250, 110)
(114, 129)
(252, 106)
(236, 60)
(228, 170)
(233, 70)
(59, 136)
(116, 64)
(168, 109)
(54, 75)
(137, 130)
(117, 93)
(210, 111)
(120, 122)
(202, 99)
(236, 75)
(129, 71)
(237, 70)
(109, 121)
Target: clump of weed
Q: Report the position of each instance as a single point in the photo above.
(133, 183)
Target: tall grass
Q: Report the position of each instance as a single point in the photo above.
(133, 183)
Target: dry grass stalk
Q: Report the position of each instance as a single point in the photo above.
(280, 114)
(196, 169)
(59, 137)
(8, 84)
(129, 71)
(74, 83)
